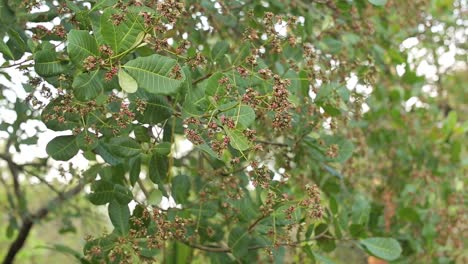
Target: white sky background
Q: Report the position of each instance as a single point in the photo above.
(30, 152)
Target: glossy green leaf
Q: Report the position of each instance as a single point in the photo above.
(102, 192)
(123, 36)
(238, 241)
(157, 107)
(384, 248)
(119, 215)
(124, 146)
(103, 150)
(163, 148)
(237, 139)
(242, 114)
(62, 148)
(181, 188)
(47, 64)
(80, 46)
(212, 85)
(122, 194)
(5, 50)
(154, 73)
(219, 49)
(135, 169)
(158, 168)
(88, 85)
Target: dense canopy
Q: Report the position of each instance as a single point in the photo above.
(282, 131)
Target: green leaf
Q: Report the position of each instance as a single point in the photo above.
(360, 210)
(124, 146)
(62, 148)
(219, 49)
(135, 169)
(119, 215)
(157, 108)
(238, 241)
(325, 91)
(238, 140)
(163, 148)
(158, 168)
(47, 64)
(88, 85)
(5, 50)
(325, 243)
(181, 188)
(122, 194)
(124, 36)
(126, 82)
(212, 85)
(102, 149)
(80, 46)
(155, 197)
(378, 2)
(153, 73)
(103, 192)
(242, 114)
(381, 247)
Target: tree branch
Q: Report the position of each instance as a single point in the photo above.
(226, 249)
(29, 221)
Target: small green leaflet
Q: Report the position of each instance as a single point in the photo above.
(242, 114)
(154, 73)
(62, 148)
(80, 46)
(382, 247)
(126, 82)
(89, 85)
(238, 140)
(119, 215)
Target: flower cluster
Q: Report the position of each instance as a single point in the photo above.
(155, 238)
(313, 201)
(92, 63)
(171, 10)
(280, 103)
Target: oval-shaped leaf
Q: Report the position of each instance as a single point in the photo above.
(242, 114)
(88, 85)
(135, 169)
(124, 147)
(80, 46)
(123, 36)
(155, 197)
(181, 188)
(163, 148)
(238, 241)
(153, 73)
(382, 247)
(119, 215)
(47, 64)
(158, 168)
(238, 140)
(62, 147)
(126, 82)
(157, 108)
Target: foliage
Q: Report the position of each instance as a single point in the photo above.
(284, 165)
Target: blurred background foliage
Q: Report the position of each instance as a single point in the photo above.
(396, 106)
